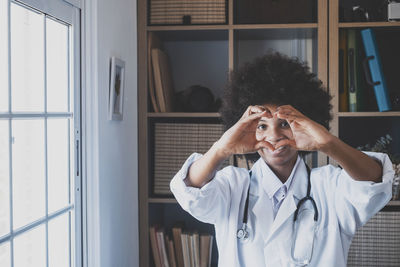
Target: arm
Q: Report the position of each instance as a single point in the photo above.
(357, 164)
(239, 139)
(309, 136)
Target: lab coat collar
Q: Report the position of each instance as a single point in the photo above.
(297, 191)
(262, 205)
(297, 185)
(270, 182)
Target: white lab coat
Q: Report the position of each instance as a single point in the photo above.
(343, 205)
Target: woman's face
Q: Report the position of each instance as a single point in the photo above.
(274, 130)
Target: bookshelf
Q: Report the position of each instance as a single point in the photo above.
(366, 126)
(361, 127)
(223, 47)
(204, 54)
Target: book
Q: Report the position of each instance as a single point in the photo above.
(196, 249)
(161, 247)
(343, 85)
(162, 80)
(354, 79)
(205, 250)
(171, 252)
(185, 250)
(176, 234)
(152, 42)
(154, 247)
(191, 250)
(377, 77)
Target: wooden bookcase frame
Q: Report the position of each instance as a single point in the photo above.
(327, 27)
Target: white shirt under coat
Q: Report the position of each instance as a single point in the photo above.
(343, 203)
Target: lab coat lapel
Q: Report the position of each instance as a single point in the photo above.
(297, 191)
(262, 211)
(260, 205)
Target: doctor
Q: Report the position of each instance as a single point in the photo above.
(274, 106)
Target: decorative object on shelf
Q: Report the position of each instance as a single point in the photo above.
(196, 98)
(393, 10)
(383, 145)
(184, 12)
(363, 10)
(116, 89)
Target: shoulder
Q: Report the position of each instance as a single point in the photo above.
(326, 176)
(234, 176)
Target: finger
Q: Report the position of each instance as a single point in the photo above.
(288, 107)
(256, 109)
(286, 142)
(264, 144)
(253, 117)
(246, 112)
(289, 117)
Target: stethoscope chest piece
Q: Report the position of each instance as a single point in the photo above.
(243, 233)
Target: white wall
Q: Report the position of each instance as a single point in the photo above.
(118, 181)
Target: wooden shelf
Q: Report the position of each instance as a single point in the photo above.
(369, 114)
(187, 27)
(394, 203)
(368, 24)
(183, 115)
(275, 26)
(232, 27)
(162, 200)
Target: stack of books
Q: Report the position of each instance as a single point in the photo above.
(361, 77)
(161, 88)
(183, 249)
(187, 12)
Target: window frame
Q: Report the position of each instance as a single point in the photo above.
(69, 14)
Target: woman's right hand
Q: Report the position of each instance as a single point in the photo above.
(241, 137)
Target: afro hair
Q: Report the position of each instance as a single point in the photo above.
(279, 80)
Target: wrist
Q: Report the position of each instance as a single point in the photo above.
(329, 144)
(220, 152)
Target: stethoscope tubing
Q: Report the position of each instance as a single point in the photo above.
(243, 234)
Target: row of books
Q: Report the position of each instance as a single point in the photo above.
(361, 79)
(183, 249)
(187, 12)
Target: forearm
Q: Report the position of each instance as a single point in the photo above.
(203, 169)
(357, 164)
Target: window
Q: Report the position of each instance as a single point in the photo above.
(40, 196)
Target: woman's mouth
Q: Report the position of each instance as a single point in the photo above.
(279, 150)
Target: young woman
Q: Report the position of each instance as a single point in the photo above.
(280, 213)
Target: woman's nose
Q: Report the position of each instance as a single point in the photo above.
(272, 135)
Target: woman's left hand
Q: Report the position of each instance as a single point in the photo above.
(308, 135)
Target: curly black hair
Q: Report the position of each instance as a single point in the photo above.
(279, 80)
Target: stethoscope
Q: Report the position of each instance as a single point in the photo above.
(243, 233)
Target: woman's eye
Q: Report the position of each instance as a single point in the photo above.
(284, 124)
(261, 127)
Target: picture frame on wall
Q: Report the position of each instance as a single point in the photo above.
(117, 84)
